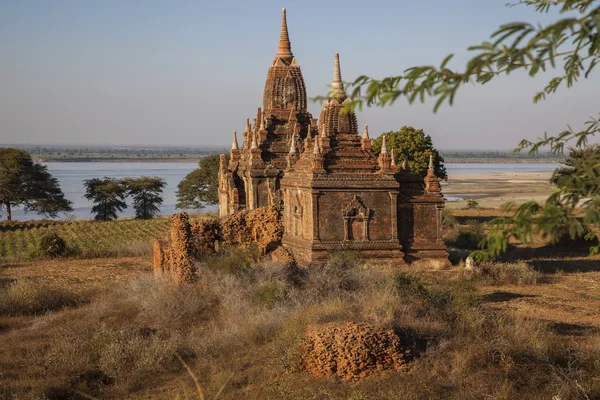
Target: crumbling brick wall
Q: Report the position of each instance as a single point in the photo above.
(161, 253)
(189, 242)
(182, 264)
(351, 351)
(261, 226)
(205, 236)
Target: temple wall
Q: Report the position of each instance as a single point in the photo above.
(332, 224)
(298, 213)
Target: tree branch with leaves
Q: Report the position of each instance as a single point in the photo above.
(570, 46)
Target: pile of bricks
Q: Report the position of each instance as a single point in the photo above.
(351, 351)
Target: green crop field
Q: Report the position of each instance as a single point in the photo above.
(20, 240)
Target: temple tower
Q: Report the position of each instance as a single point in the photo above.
(339, 195)
(251, 178)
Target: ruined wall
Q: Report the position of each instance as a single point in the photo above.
(180, 257)
(262, 226)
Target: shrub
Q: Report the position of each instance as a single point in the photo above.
(24, 297)
(232, 260)
(471, 235)
(52, 245)
(471, 204)
(449, 222)
(519, 273)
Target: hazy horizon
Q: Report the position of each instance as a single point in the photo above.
(186, 73)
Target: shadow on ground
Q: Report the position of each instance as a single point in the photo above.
(566, 329)
(566, 265)
(501, 297)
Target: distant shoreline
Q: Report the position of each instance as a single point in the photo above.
(448, 160)
(120, 160)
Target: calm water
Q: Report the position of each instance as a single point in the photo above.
(72, 175)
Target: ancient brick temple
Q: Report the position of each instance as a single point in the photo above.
(335, 192)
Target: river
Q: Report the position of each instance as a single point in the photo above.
(72, 174)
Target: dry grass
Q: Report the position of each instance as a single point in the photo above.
(240, 325)
(499, 273)
(24, 297)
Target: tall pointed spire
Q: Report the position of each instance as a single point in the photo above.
(285, 47)
(384, 149)
(431, 162)
(366, 134)
(393, 158)
(337, 86)
(293, 149)
(262, 124)
(234, 145)
(254, 142)
(316, 149)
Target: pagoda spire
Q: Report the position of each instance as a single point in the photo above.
(234, 145)
(366, 134)
(384, 149)
(254, 142)
(285, 47)
(293, 149)
(337, 86)
(393, 158)
(431, 162)
(316, 149)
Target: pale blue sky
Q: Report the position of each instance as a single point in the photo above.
(190, 72)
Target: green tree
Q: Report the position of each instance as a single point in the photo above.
(414, 145)
(146, 193)
(201, 186)
(570, 45)
(26, 183)
(583, 162)
(108, 195)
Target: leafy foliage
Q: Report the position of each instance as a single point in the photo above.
(29, 184)
(571, 45)
(146, 193)
(52, 245)
(578, 162)
(414, 145)
(200, 186)
(108, 195)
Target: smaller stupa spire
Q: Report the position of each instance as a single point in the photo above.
(293, 149)
(248, 129)
(254, 142)
(366, 134)
(337, 86)
(384, 149)
(393, 158)
(406, 164)
(234, 144)
(316, 149)
(284, 49)
(262, 124)
(431, 162)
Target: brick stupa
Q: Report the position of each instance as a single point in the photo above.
(336, 193)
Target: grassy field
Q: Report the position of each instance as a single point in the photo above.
(122, 238)
(103, 327)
